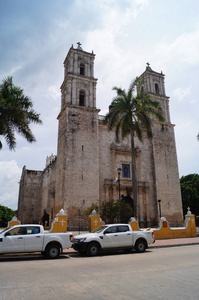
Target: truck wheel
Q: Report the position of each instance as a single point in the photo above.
(140, 246)
(52, 251)
(93, 249)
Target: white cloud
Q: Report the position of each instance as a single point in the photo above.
(9, 183)
(117, 65)
(54, 91)
(15, 69)
(187, 146)
(182, 49)
(182, 93)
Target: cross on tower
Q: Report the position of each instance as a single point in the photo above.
(148, 64)
(79, 45)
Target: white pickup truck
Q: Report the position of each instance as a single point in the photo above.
(113, 236)
(31, 238)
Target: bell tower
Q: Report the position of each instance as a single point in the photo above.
(165, 165)
(79, 85)
(153, 83)
(77, 171)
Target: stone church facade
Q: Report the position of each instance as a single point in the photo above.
(88, 158)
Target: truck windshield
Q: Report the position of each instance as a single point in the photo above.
(100, 229)
(4, 230)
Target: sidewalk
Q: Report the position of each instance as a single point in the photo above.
(175, 242)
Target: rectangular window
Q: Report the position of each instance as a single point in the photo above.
(123, 228)
(126, 171)
(82, 69)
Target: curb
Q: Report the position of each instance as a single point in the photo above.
(173, 245)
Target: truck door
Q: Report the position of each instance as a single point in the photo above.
(110, 237)
(125, 235)
(33, 239)
(13, 240)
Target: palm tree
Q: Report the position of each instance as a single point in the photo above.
(16, 113)
(131, 113)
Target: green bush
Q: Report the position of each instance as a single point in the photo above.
(6, 214)
(112, 211)
(190, 193)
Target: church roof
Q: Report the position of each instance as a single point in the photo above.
(149, 70)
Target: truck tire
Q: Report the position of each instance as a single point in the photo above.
(93, 249)
(52, 251)
(140, 246)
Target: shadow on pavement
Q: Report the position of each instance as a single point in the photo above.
(108, 253)
(28, 257)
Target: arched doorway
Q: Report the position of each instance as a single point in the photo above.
(125, 216)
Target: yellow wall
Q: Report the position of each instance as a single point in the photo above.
(165, 232)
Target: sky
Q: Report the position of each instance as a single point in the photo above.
(35, 37)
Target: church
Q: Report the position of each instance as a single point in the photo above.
(89, 161)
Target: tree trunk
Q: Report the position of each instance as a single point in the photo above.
(134, 176)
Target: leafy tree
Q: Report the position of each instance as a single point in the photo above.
(190, 193)
(112, 211)
(16, 113)
(131, 113)
(6, 214)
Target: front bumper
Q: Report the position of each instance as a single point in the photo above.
(80, 246)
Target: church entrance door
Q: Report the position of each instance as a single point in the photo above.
(125, 216)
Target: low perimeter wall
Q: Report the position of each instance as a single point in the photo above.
(163, 232)
(166, 232)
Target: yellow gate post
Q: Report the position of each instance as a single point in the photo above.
(134, 224)
(94, 221)
(60, 222)
(13, 222)
(190, 223)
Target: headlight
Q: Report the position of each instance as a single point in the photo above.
(82, 240)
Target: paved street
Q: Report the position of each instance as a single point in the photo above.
(159, 273)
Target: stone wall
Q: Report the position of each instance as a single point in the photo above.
(167, 176)
(77, 177)
(112, 156)
(48, 190)
(29, 203)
